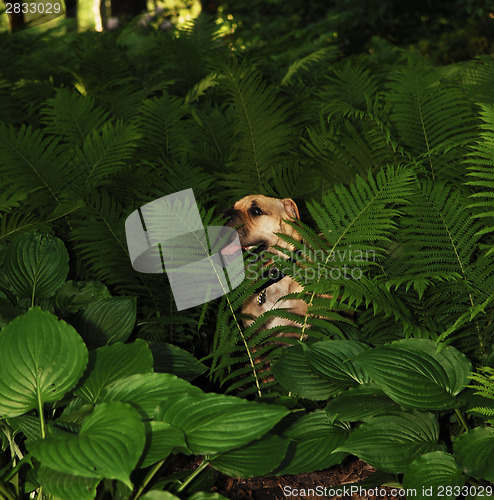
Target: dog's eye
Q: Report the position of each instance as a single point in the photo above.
(256, 211)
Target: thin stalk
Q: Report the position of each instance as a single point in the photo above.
(148, 478)
(460, 417)
(41, 415)
(194, 474)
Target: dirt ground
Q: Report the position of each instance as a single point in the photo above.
(298, 487)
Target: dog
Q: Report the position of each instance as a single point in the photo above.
(258, 219)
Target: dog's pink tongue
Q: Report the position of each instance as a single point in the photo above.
(231, 248)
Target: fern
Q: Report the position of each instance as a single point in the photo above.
(480, 168)
(484, 386)
(165, 133)
(262, 134)
(33, 162)
(104, 153)
(304, 63)
(72, 117)
(430, 117)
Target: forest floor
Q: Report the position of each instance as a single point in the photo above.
(298, 487)
(302, 486)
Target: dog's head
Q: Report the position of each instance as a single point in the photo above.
(259, 217)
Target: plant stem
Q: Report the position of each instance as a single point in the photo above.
(460, 417)
(251, 360)
(195, 473)
(4, 493)
(148, 478)
(41, 416)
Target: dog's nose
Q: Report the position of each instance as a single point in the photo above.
(230, 216)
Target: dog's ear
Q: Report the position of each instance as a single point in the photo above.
(291, 208)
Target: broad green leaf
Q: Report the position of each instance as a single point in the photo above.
(203, 495)
(313, 441)
(161, 440)
(333, 359)
(214, 423)
(169, 358)
(110, 363)
(108, 445)
(107, 321)
(360, 403)
(257, 458)
(36, 265)
(159, 495)
(293, 373)
(29, 425)
(67, 486)
(392, 442)
(75, 295)
(41, 358)
(146, 392)
(413, 374)
(432, 470)
(474, 452)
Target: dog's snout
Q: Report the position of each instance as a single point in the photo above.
(231, 215)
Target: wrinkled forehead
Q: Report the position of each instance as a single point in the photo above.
(259, 200)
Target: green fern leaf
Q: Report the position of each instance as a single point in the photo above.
(72, 116)
(481, 170)
(429, 115)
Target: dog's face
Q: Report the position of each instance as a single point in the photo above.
(259, 217)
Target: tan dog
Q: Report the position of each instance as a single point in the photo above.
(258, 219)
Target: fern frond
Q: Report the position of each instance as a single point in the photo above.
(351, 85)
(165, 133)
(484, 387)
(304, 63)
(107, 151)
(430, 116)
(477, 77)
(437, 240)
(18, 222)
(481, 170)
(262, 133)
(200, 88)
(72, 116)
(35, 163)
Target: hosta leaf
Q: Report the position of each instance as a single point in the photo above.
(214, 423)
(108, 445)
(360, 403)
(169, 358)
(161, 440)
(41, 358)
(432, 470)
(333, 359)
(146, 392)
(108, 364)
(107, 321)
(67, 486)
(159, 495)
(392, 442)
(293, 373)
(413, 374)
(75, 295)
(29, 425)
(36, 265)
(255, 459)
(203, 495)
(474, 452)
(313, 441)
